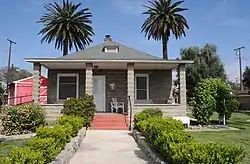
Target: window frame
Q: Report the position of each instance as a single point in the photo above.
(106, 49)
(67, 75)
(147, 78)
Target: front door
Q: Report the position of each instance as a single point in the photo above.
(99, 92)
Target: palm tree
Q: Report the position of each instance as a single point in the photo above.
(163, 18)
(67, 26)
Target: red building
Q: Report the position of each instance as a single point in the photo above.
(20, 91)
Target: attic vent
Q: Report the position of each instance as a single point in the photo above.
(111, 49)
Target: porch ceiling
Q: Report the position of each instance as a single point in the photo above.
(110, 64)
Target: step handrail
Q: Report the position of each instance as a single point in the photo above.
(130, 113)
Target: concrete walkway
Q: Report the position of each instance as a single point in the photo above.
(109, 147)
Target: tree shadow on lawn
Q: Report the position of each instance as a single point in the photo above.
(239, 120)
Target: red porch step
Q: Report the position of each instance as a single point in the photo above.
(109, 122)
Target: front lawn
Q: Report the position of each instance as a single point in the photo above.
(238, 138)
(7, 146)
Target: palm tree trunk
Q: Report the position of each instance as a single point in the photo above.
(165, 47)
(65, 47)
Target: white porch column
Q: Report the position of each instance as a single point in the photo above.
(89, 79)
(183, 90)
(131, 90)
(36, 83)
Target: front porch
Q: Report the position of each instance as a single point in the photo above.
(147, 83)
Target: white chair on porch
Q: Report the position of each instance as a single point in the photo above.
(115, 105)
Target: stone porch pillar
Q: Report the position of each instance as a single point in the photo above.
(36, 83)
(89, 79)
(183, 90)
(130, 90)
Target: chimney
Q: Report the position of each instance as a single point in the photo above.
(107, 39)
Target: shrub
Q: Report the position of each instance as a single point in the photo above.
(232, 105)
(76, 122)
(147, 113)
(24, 156)
(49, 147)
(168, 138)
(159, 123)
(48, 143)
(194, 152)
(61, 133)
(22, 119)
(161, 132)
(83, 107)
(156, 125)
(212, 95)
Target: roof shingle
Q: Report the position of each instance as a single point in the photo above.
(96, 53)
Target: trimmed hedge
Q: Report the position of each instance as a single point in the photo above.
(76, 122)
(195, 152)
(83, 107)
(48, 142)
(22, 119)
(146, 114)
(24, 156)
(168, 138)
(61, 133)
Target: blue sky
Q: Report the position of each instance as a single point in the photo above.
(225, 23)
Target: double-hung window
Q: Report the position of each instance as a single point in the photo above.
(67, 86)
(141, 86)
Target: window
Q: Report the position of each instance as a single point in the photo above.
(111, 49)
(67, 86)
(141, 85)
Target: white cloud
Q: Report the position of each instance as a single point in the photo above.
(133, 7)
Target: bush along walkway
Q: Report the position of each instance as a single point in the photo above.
(50, 142)
(174, 145)
(109, 147)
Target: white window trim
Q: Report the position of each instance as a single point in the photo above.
(67, 75)
(142, 75)
(106, 50)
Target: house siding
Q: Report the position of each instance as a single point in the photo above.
(169, 110)
(52, 84)
(160, 83)
(119, 78)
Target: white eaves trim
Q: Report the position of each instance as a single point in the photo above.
(34, 60)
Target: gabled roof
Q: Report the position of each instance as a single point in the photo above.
(97, 53)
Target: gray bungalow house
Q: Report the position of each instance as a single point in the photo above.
(112, 70)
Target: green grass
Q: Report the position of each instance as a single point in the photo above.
(237, 138)
(7, 146)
